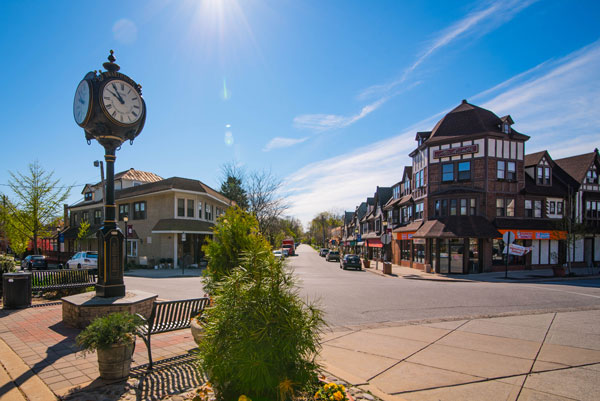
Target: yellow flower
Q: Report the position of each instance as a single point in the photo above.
(343, 388)
(338, 396)
(244, 398)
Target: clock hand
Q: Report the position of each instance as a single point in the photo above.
(119, 98)
(118, 94)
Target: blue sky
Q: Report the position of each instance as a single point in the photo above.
(328, 95)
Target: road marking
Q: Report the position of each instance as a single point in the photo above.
(568, 292)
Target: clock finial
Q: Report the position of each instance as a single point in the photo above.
(111, 66)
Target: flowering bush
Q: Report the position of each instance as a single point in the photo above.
(331, 392)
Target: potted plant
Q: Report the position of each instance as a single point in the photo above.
(113, 337)
(366, 262)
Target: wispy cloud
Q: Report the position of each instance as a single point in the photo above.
(325, 122)
(280, 142)
(557, 103)
(477, 23)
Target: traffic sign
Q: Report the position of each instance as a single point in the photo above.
(385, 239)
(508, 237)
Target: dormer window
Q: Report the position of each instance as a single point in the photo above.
(543, 175)
(506, 128)
(88, 196)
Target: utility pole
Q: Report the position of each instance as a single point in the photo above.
(323, 227)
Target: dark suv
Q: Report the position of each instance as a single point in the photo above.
(34, 262)
(333, 255)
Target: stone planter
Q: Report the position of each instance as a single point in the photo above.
(366, 263)
(114, 362)
(197, 330)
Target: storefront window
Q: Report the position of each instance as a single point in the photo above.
(473, 255)
(497, 256)
(418, 253)
(433, 251)
(444, 257)
(457, 248)
(405, 249)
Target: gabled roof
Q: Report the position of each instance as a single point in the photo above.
(383, 194)
(172, 183)
(468, 120)
(578, 166)
(131, 174)
(361, 210)
(533, 159)
(407, 171)
(348, 217)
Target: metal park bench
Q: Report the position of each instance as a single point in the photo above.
(169, 316)
(49, 280)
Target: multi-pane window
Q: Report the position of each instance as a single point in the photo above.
(190, 208)
(199, 209)
(500, 207)
(464, 171)
(132, 248)
(97, 216)
(463, 207)
(506, 170)
(419, 180)
(510, 207)
(208, 211)
(472, 207)
(537, 208)
(444, 207)
(180, 207)
(559, 207)
(85, 216)
(447, 172)
(87, 196)
(139, 210)
(437, 206)
(591, 177)
(592, 209)
(528, 208)
(552, 207)
(543, 175)
(419, 211)
(453, 203)
(396, 192)
(123, 211)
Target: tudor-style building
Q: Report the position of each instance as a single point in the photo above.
(467, 172)
(585, 170)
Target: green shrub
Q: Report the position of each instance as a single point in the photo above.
(260, 338)
(236, 232)
(115, 328)
(7, 264)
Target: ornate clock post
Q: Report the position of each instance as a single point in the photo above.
(109, 107)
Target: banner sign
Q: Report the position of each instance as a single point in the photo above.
(517, 250)
(404, 236)
(461, 150)
(534, 234)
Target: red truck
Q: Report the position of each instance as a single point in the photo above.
(289, 245)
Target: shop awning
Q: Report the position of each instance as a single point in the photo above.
(374, 243)
(458, 227)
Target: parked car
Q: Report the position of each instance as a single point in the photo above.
(278, 254)
(333, 255)
(285, 252)
(34, 262)
(350, 261)
(83, 260)
(323, 252)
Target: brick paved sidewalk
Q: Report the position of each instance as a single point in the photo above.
(38, 336)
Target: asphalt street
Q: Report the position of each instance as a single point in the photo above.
(351, 297)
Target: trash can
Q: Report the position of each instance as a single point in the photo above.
(387, 268)
(16, 290)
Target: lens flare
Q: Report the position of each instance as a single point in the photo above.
(228, 138)
(227, 125)
(226, 95)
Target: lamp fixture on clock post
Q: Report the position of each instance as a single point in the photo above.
(109, 107)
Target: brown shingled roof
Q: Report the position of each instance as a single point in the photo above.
(458, 227)
(137, 175)
(185, 184)
(577, 166)
(533, 159)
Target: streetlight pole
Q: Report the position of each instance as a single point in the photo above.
(126, 220)
(98, 163)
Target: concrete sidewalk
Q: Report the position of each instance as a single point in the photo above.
(524, 357)
(494, 277)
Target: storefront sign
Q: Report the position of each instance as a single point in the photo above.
(539, 235)
(524, 234)
(419, 241)
(374, 243)
(532, 234)
(461, 150)
(404, 236)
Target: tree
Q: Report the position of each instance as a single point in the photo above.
(321, 225)
(84, 231)
(265, 200)
(232, 185)
(14, 228)
(38, 201)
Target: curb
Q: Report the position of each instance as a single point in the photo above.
(23, 377)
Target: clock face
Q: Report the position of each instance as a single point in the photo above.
(81, 103)
(121, 102)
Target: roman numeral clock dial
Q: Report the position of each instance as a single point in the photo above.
(121, 102)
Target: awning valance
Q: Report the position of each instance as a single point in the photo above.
(374, 243)
(458, 227)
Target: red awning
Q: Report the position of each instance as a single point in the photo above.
(374, 243)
